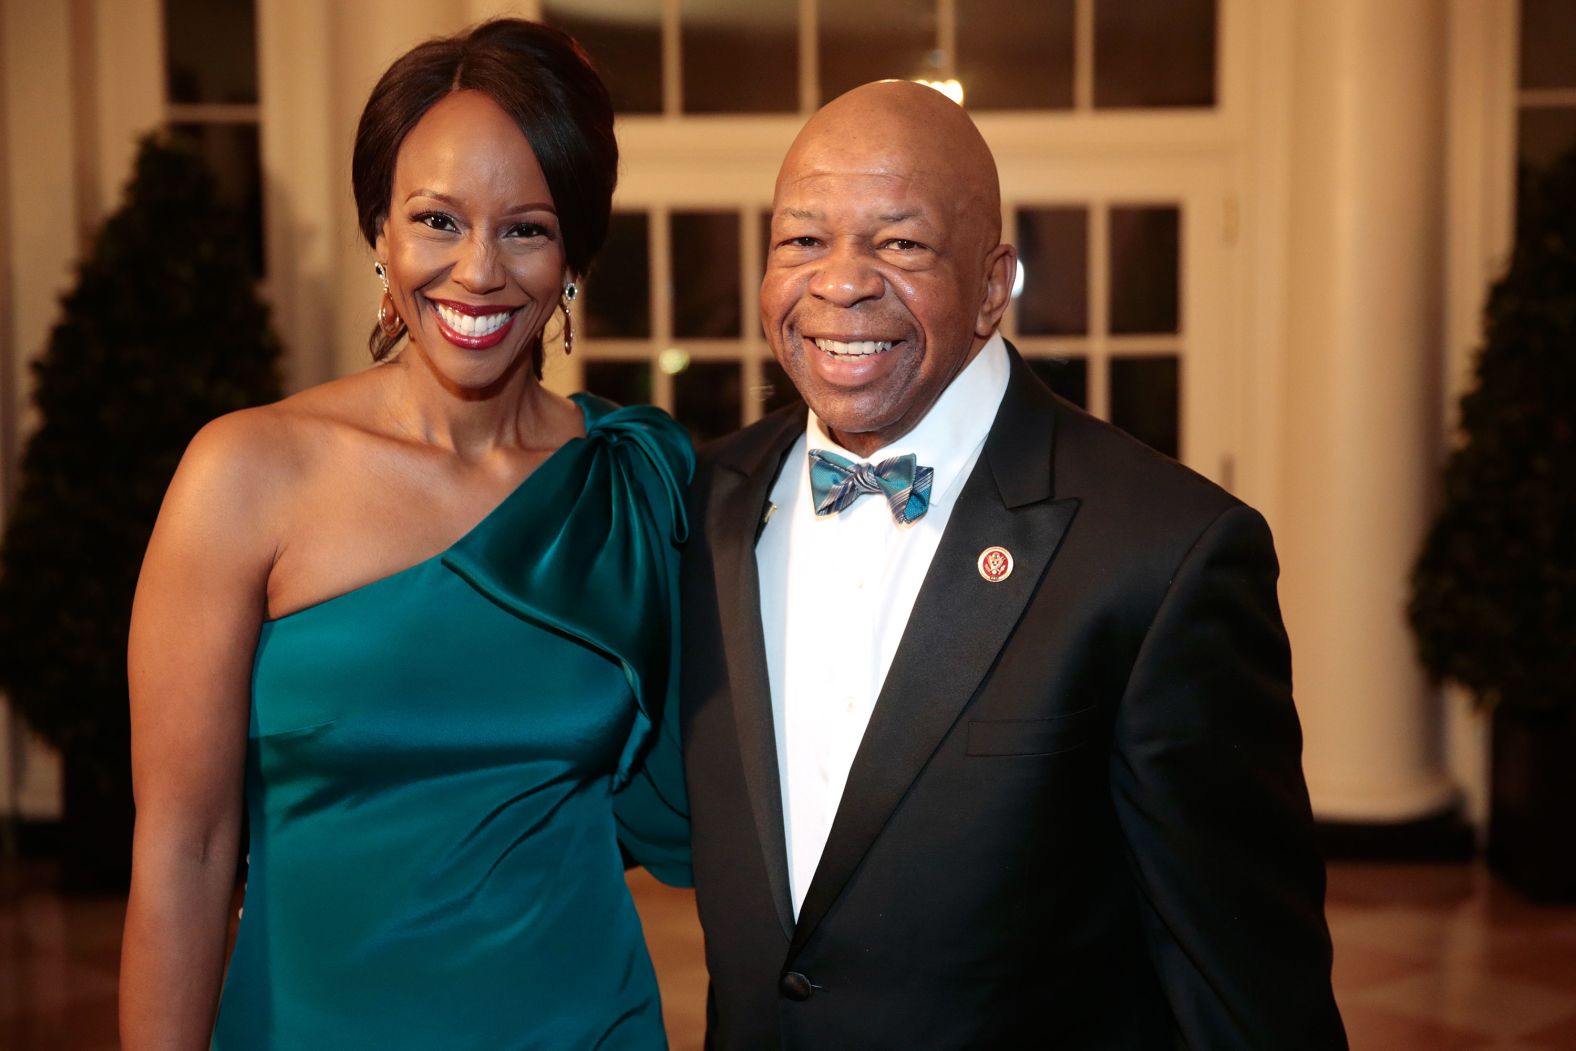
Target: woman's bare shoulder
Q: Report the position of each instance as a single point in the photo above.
(250, 461)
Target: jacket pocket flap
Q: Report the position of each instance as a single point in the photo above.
(1060, 733)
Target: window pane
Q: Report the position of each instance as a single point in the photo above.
(1144, 400)
(1013, 55)
(211, 50)
(741, 58)
(875, 40)
(1053, 254)
(1149, 54)
(618, 290)
(624, 41)
(705, 275)
(706, 398)
(1544, 133)
(232, 153)
(626, 382)
(777, 390)
(1068, 377)
(1548, 44)
(1145, 261)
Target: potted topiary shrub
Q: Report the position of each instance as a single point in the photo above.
(1494, 589)
(163, 332)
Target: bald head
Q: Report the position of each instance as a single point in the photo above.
(910, 131)
(886, 275)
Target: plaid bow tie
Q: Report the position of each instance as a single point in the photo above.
(836, 482)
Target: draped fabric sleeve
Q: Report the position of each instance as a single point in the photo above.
(601, 565)
(652, 807)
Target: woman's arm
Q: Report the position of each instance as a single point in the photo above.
(200, 602)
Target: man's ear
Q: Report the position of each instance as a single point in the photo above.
(1001, 269)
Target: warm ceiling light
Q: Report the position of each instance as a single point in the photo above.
(673, 361)
(951, 87)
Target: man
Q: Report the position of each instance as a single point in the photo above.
(1002, 754)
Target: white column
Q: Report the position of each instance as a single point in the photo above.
(1480, 191)
(1360, 396)
(39, 239)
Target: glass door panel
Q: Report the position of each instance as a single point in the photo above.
(1053, 263)
(1121, 309)
(618, 289)
(1121, 305)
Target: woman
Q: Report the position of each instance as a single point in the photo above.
(424, 615)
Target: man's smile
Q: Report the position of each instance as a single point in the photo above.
(862, 348)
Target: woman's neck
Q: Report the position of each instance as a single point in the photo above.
(513, 412)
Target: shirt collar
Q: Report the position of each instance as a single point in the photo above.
(949, 435)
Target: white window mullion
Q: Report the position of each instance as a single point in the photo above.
(1083, 56)
(751, 253)
(661, 272)
(672, 58)
(1099, 308)
(809, 57)
(947, 38)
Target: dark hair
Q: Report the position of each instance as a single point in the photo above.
(539, 76)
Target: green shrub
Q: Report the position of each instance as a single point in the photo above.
(1494, 590)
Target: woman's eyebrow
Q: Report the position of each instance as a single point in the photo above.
(534, 206)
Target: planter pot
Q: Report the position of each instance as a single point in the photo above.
(95, 832)
(1532, 807)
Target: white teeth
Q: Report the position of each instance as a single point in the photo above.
(471, 324)
(861, 349)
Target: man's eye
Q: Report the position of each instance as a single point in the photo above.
(437, 221)
(903, 244)
(801, 242)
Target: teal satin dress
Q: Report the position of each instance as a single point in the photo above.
(444, 764)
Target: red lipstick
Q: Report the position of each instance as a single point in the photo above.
(479, 341)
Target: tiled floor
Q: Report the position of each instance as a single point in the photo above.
(1427, 958)
(1445, 957)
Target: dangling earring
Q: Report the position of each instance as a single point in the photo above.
(571, 293)
(388, 318)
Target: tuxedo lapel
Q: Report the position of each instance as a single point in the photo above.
(958, 626)
(742, 483)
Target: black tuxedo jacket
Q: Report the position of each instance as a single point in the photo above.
(1077, 818)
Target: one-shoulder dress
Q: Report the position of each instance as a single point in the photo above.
(447, 767)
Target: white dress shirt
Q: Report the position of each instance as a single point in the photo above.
(836, 593)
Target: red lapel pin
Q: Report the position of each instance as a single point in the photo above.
(995, 564)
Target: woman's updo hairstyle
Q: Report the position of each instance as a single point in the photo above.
(539, 76)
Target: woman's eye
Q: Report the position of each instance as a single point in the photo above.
(437, 221)
(529, 230)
